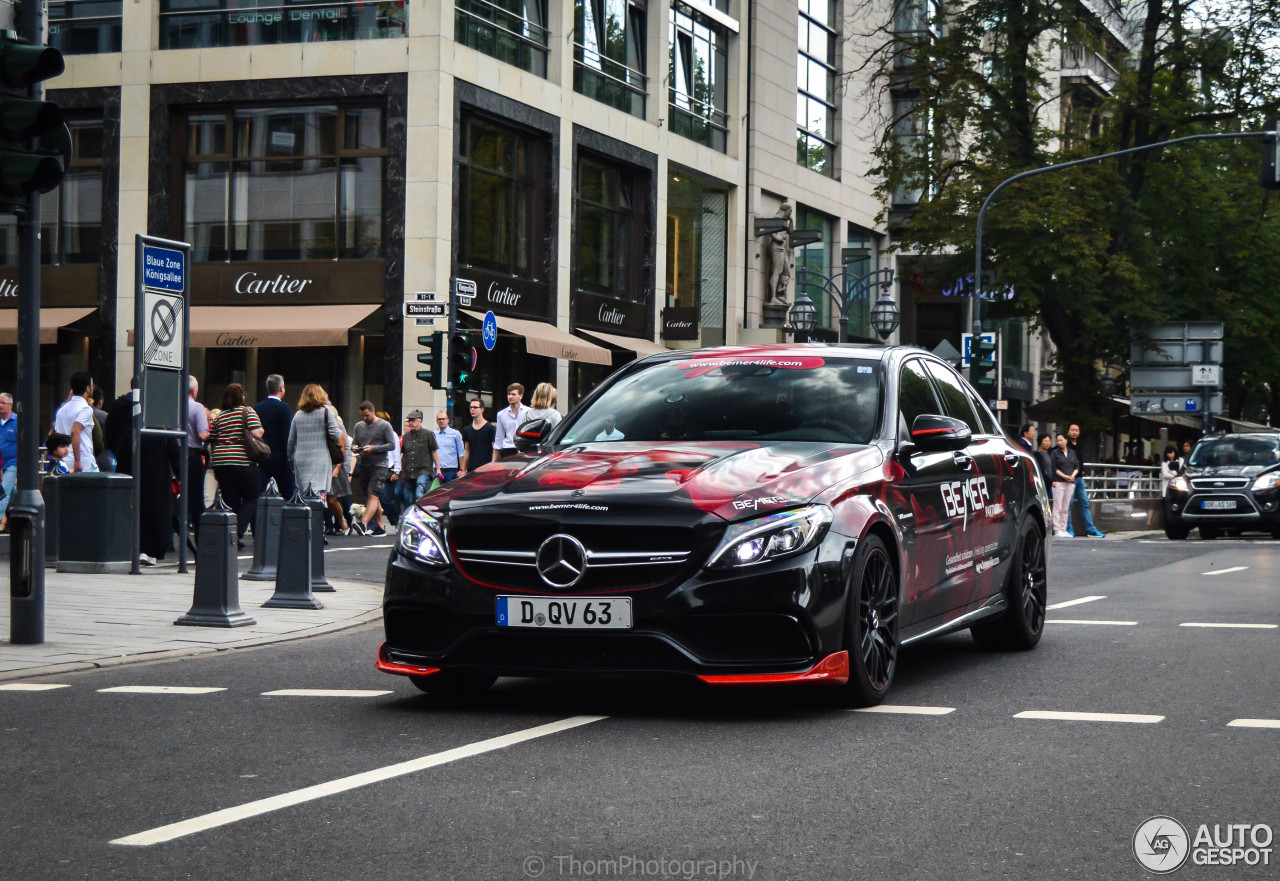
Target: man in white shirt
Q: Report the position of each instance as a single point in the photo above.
(507, 420)
(75, 419)
(610, 432)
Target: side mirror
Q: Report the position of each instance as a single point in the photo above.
(931, 433)
(529, 436)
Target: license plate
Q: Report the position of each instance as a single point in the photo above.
(565, 613)
(1218, 505)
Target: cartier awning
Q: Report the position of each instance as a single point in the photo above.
(640, 346)
(265, 327)
(548, 340)
(50, 321)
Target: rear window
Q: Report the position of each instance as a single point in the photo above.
(1235, 452)
(731, 397)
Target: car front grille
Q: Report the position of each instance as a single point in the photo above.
(1220, 482)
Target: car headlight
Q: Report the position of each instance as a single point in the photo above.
(421, 537)
(770, 537)
(1267, 481)
(1179, 484)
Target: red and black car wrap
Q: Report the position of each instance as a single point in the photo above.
(771, 515)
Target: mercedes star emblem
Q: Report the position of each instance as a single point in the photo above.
(561, 560)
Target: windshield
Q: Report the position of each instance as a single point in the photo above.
(1236, 452)
(728, 397)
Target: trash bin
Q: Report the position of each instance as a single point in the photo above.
(94, 526)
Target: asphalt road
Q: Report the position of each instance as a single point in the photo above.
(619, 780)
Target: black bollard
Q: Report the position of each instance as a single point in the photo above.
(217, 592)
(266, 535)
(319, 584)
(293, 569)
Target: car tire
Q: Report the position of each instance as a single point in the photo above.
(1209, 533)
(454, 683)
(871, 625)
(1176, 532)
(1275, 533)
(1027, 590)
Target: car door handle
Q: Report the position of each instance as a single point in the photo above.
(964, 460)
(1012, 459)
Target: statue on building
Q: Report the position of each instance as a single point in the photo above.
(780, 261)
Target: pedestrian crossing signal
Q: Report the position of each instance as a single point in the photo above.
(462, 359)
(433, 358)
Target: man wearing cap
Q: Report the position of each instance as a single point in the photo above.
(419, 459)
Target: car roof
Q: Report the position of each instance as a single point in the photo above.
(774, 350)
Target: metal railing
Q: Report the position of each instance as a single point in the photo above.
(611, 82)
(1108, 481)
(1078, 57)
(293, 23)
(505, 35)
(698, 120)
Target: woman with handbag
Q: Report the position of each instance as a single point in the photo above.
(236, 440)
(315, 441)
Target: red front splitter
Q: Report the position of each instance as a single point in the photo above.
(833, 670)
(402, 669)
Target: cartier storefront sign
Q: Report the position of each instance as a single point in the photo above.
(505, 295)
(288, 282)
(623, 317)
(680, 323)
(72, 284)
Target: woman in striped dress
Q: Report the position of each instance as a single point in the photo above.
(236, 473)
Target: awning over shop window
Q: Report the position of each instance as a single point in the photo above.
(266, 327)
(549, 341)
(50, 321)
(640, 346)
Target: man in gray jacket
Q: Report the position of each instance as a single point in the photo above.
(374, 438)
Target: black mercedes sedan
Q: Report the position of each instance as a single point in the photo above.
(742, 515)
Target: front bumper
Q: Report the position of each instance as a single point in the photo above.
(783, 620)
(1200, 507)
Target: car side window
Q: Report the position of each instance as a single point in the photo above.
(915, 394)
(954, 399)
(989, 423)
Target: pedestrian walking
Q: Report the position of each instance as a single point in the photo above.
(309, 436)
(451, 446)
(75, 420)
(544, 404)
(419, 459)
(1170, 467)
(1081, 493)
(508, 420)
(339, 498)
(1044, 463)
(477, 439)
(277, 418)
(237, 474)
(1066, 467)
(197, 435)
(8, 456)
(374, 438)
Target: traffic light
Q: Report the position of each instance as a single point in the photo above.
(1271, 156)
(433, 358)
(983, 366)
(35, 147)
(462, 359)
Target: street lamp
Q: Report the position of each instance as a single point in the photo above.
(803, 317)
(844, 289)
(884, 316)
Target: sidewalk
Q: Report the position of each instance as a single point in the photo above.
(96, 621)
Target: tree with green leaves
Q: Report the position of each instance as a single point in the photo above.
(975, 94)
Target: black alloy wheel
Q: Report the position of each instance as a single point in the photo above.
(454, 683)
(1027, 590)
(872, 626)
(1176, 532)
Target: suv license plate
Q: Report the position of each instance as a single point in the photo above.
(1218, 505)
(565, 613)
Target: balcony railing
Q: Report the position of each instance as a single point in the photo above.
(698, 120)
(505, 35)
(1080, 60)
(609, 81)
(85, 27)
(292, 23)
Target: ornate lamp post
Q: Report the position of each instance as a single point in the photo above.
(802, 318)
(884, 316)
(844, 288)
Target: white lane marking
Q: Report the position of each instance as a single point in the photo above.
(1235, 626)
(158, 689)
(1254, 723)
(30, 686)
(1073, 602)
(1225, 571)
(1089, 717)
(323, 692)
(227, 816)
(907, 710)
(1090, 621)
